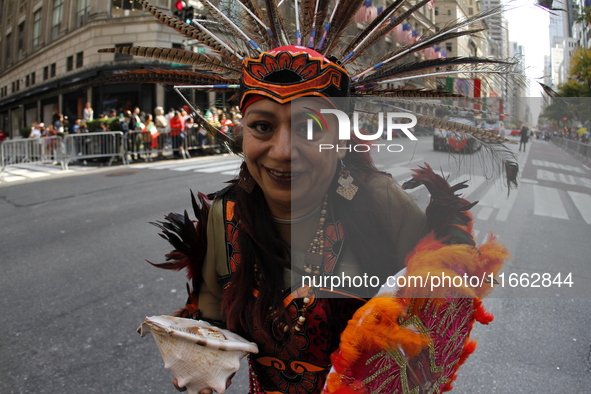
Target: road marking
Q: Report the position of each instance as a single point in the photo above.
(11, 178)
(210, 169)
(567, 179)
(531, 181)
(565, 167)
(29, 174)
(547, 203)
(496, 198)
(583, 203)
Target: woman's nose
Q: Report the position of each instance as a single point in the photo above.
(282, 144)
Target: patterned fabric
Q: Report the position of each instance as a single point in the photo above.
(296, 362)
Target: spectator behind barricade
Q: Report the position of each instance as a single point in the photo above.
(76, 126)
(161, 124)
(226, 124)
(51, 143)
(148, 133)
(211, 115)
(176, 134)
(83, 143)
(35, 131)
(170, 114)
(88, 113)
(2, 136)
(58, 124)
(113, 113)
(134, 140)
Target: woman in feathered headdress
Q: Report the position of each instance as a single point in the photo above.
(299, 212)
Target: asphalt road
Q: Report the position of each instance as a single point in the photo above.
(74, 283)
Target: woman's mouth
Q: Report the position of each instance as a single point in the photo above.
(281, 176)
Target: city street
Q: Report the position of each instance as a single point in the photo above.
(74, 283)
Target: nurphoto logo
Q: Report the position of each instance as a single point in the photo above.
(392, 123)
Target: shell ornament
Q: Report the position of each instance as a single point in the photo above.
(198, 354)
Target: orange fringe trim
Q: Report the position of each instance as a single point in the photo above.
(375, 326)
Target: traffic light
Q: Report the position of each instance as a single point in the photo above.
(183, 11)
(178, 10)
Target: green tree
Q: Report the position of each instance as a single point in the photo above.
(580, 67)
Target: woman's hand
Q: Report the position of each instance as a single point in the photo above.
(175, 382)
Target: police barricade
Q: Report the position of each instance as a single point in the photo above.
(144, 145)
(198, 142)
(84, 146)
(45, 150)
(579, 149)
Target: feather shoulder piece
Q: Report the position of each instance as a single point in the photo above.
(415, 334)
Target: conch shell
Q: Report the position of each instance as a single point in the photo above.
(198, 354)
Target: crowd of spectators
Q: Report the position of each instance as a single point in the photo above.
(148, 135)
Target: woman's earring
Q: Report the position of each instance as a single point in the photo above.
(246, 180)
(346, 189)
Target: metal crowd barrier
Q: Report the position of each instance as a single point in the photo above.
(576, 148)
(45, 150)
(139, 146)
(94, 145)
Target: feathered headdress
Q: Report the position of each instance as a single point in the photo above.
(288, 49)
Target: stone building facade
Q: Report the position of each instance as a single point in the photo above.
(49, 61)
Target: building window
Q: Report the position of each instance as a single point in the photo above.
(448, 12)
(8, 48)
(32, 78)
(27, 81)
(121, 56)
(36, 28)
(45, 73)
(70, 63)
(448, 46)
(52, 70)
(21, 40)
(436, 11)
(470, 11)
(125, 7)
(56, 21)
(18, 85)
(82, 12)
(79, 59)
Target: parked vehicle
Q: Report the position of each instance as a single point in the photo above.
(495, 127)
(447, 140)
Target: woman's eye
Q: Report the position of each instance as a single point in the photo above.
(260, 127)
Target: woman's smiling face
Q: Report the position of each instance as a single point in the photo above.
(290, 169)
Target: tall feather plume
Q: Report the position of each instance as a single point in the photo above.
(406, 68)
(276, 23)
(317, 22)
(196, 32)
(408, 92)
(424, 43)
(231, 27)
(344, 14)
(371, 28)
(254, 22)
(176, 55)
(169, 77)
(386, 28)
(307, 9)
